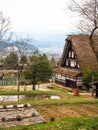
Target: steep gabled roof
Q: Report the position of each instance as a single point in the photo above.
(84, 52)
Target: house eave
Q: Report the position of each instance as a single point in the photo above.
(68, 71)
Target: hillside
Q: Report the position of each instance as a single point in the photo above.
(52, 45)
(6, 48)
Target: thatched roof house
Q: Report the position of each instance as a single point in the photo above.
(77, 57)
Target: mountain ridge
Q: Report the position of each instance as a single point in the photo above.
(51, 44)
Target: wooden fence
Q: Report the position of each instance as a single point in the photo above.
(8, 81)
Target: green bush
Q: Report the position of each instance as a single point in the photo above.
(88, 76)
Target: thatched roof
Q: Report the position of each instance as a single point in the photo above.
(68, 72)
(84, 52)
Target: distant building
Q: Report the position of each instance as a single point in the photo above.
(77, 57)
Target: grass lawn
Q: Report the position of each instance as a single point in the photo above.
(69, 112)
(80, 123)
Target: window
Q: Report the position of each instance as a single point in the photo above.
(69, 54)
(72, 64)
(73, 55)
(78, 66)
(66, 62)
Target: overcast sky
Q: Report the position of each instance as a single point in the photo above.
(44, 16)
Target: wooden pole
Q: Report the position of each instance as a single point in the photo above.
(92, 86)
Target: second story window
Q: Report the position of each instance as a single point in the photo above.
(69, 54)
(73, 54)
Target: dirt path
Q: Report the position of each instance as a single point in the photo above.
(43, 87)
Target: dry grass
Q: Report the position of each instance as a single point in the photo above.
(67, 111)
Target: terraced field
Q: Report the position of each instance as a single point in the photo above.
(63, 111)
(69, 112)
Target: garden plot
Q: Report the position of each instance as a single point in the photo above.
(24, 114)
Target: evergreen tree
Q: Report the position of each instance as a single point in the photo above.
(87, 77)
(39, 70)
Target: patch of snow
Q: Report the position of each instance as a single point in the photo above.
(55, 97)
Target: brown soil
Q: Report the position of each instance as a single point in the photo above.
(67, 111)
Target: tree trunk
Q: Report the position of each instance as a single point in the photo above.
(91, 38)
(33, 87)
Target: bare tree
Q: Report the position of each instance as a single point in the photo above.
(22, 45)
(5, 26)
(21, 42)
(5, 34)
(88, 13)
